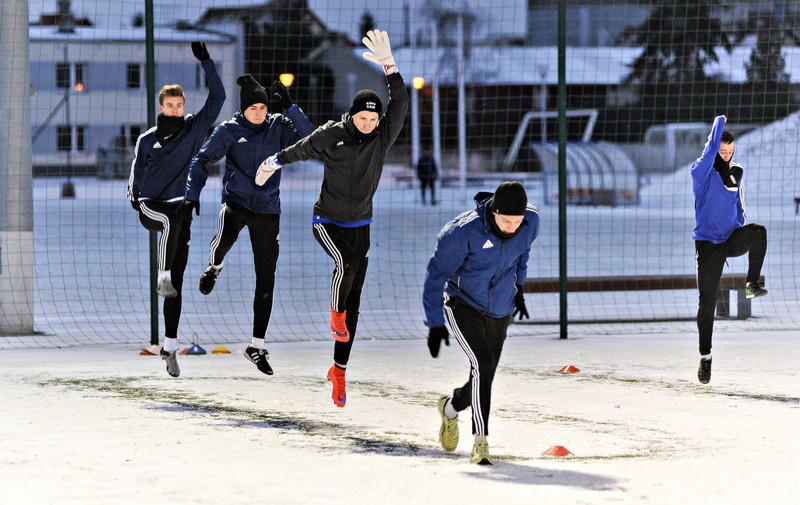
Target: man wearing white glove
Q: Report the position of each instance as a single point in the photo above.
(266, 169)
(250, 197)
(352, 151)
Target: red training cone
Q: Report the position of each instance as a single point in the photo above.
(558, 451)
(568, 369)
(150, 350)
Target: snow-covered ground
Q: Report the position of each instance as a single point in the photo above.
(100, 424)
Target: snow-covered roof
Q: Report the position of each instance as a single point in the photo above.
(88, 34)
(584, 65)
(521, 65)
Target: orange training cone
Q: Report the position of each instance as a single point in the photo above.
(150, 350)
(568, 369)
(558, 451)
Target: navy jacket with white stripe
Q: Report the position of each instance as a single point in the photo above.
(244, 146)
(472, 263)
(158, 173)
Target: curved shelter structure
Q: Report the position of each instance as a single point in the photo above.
(598, 173)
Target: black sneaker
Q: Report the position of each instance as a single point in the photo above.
(753, 290)
(260, 358)
(172, 362)
(704, 371)
(209, 278)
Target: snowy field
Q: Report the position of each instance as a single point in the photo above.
(87, 420)
(101, 424)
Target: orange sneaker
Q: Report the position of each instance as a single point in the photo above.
(339, 393)
(338, 327)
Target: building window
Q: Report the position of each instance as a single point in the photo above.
(80, 74)
(129, 134)
(63, 138)
(134, 73)
(134, 133)
(62, 75)
(80, 138)
(69, 73)
(200, 77)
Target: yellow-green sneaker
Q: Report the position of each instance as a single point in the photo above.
(480, 453)
(753, 290)
(448, 433)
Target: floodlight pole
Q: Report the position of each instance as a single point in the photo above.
(435, 120)
(562, 165)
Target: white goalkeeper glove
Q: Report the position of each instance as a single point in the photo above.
(378, 42)
(266, 169)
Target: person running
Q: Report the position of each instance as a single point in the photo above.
(720, 231)
(245, 141)
(474, 280)
(353, 151)
(156, 186)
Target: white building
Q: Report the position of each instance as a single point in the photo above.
(88, 88)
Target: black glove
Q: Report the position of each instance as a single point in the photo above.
(519, 305)
(200, 52)
(185, 209)
(435, 337)
(136, 205)
(282, 95)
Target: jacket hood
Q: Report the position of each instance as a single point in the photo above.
(482, 201)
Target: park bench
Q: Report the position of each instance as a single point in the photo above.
(728, 283)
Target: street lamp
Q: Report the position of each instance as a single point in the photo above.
(286, 79)
(542, 68)
(417, 83)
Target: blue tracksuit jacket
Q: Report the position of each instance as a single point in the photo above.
(475, 265)
(245, 146)
(718, 208)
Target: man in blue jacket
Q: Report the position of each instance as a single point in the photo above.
(475, 278)
(157, 183)
(246, 141)
(720, 231)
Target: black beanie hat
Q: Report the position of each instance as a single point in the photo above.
(251, 92)
(368, 100)
(509, 199)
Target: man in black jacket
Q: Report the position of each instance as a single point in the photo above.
(353, 151)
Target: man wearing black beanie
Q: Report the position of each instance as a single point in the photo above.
(353, 151)
(245, 141)
(480, 262)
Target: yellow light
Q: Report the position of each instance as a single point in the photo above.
(418, 82)
(286, 79)
(79, 87)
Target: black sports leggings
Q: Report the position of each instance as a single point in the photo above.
(263, 229)
(711, 258)
(349, 248)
